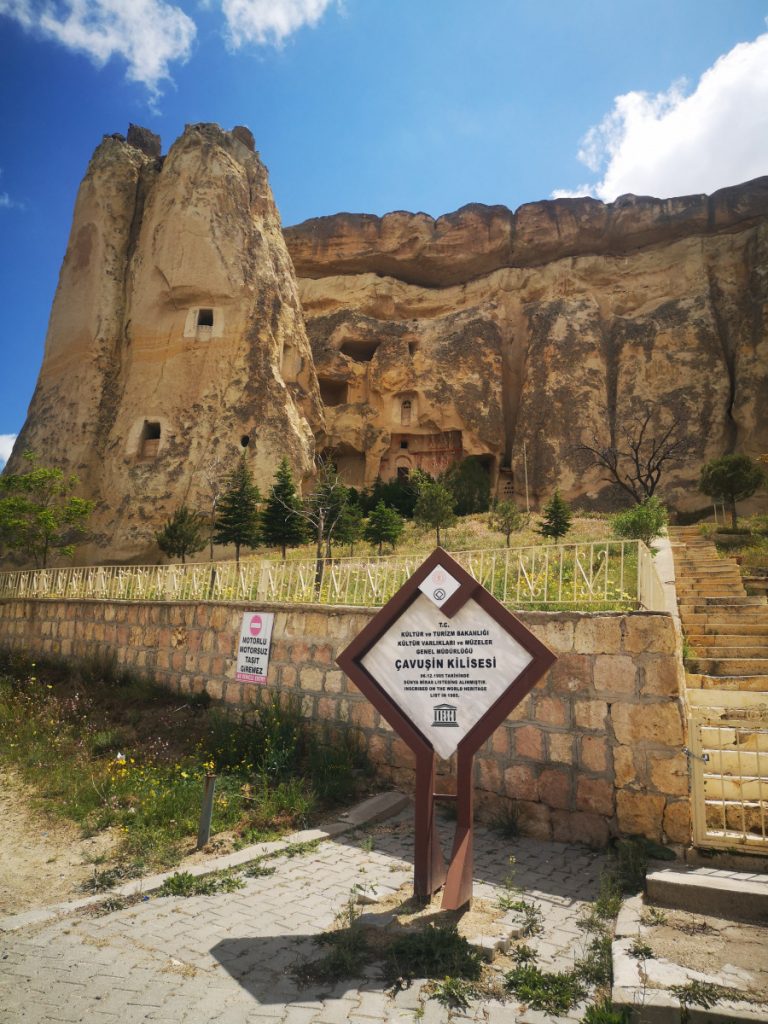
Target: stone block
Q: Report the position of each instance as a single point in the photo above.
(593, 753)
(523, 712)
(521, 782)
(535, 820)
(334, 682)
(598, 634)
(624, 768)
(363, 714)
(639, 814)
(647, 723)
(288, 675)
(555, 785)
(529, 742)
(299, 652)
(594, 795)
(662, 677)
(560, 747)
(402, 755)
(571, 673)
(551, 710)
(377, 748)
(579, 827)
(322, 654)
(500, 741)
(488, 775)
(311, 678)
(677, 822)
(215, 689)
(557, 634)
(649, 634)
(670, 775)
(615, 674)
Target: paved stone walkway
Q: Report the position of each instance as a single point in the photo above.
(227, 958)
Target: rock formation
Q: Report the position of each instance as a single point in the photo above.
(176, 337)
(180, 336)
(519, 336)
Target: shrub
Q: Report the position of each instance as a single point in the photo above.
(644, 522)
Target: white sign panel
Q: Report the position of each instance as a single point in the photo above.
(445, 673)
(439, 586)
(253, 647)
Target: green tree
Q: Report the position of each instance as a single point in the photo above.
(434, 505)
(385, 525)
(470, 485)
(282, 522)
(349, 528)
(237, 511)
(506, 517)
(184, 534)
(39, 514)
(644, 522)
(556, 517)
(322, 510)
(399, 494)
(731, 478)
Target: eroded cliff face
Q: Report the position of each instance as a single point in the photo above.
(520, 336)
(176, 339)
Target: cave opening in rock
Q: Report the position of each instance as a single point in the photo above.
(149, 441)
(360, 350)
(205, 318)
(333, 392)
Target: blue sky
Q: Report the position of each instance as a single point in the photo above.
(370, 106)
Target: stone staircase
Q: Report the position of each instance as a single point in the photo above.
(727, 631)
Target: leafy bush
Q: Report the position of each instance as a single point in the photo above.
(470, 485)
(644, 522)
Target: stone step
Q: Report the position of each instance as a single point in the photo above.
(729, 653)
(727, 629)
(724, 603)
(729, 641)
(701, 681)
(725, 894)
(732, 666)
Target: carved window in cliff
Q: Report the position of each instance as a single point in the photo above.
(291, 363)
(149, 442)
(403, 468)
(204, 323)
(333, 392)
(413, 348)
(205, 318)
(405, 412)
(360, 350)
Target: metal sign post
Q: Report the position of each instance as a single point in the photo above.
(444, 663)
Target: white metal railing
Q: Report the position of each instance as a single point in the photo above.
(602, 575)
(729, 770)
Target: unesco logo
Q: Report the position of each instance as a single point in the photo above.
(439, 594)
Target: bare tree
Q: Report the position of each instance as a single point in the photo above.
(637, 460)
(322, 510)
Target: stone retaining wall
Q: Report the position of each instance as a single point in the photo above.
(593, 751)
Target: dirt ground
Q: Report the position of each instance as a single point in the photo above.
(43, 860)
(713, 945)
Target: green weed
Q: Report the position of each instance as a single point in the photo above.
(454, 993)
(596, 966)
(605, 1013)
(640, 950)
(437, 951)
(183, 883)
(552, 992)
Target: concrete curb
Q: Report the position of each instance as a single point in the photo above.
(368, 812)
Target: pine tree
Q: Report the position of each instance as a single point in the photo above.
(556, 517)
(350, 525)
(281, 522)
(237, 514)
(183, 534)
(434, 505)
(384, 525)
(506, 517)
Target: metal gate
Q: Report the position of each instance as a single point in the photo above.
(728, 738)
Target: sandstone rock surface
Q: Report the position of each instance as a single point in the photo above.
(520, 336)
(176, 337)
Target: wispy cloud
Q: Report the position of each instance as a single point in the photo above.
(7, 203)
(6, 447)
(269, 21)
(679, 142)
(148, 34)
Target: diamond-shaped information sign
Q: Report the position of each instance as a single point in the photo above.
(444, 663)
(445, 674)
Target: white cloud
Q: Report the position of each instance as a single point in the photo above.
(6, 446)
(269, 21)
(673, 144)
(148, 34)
